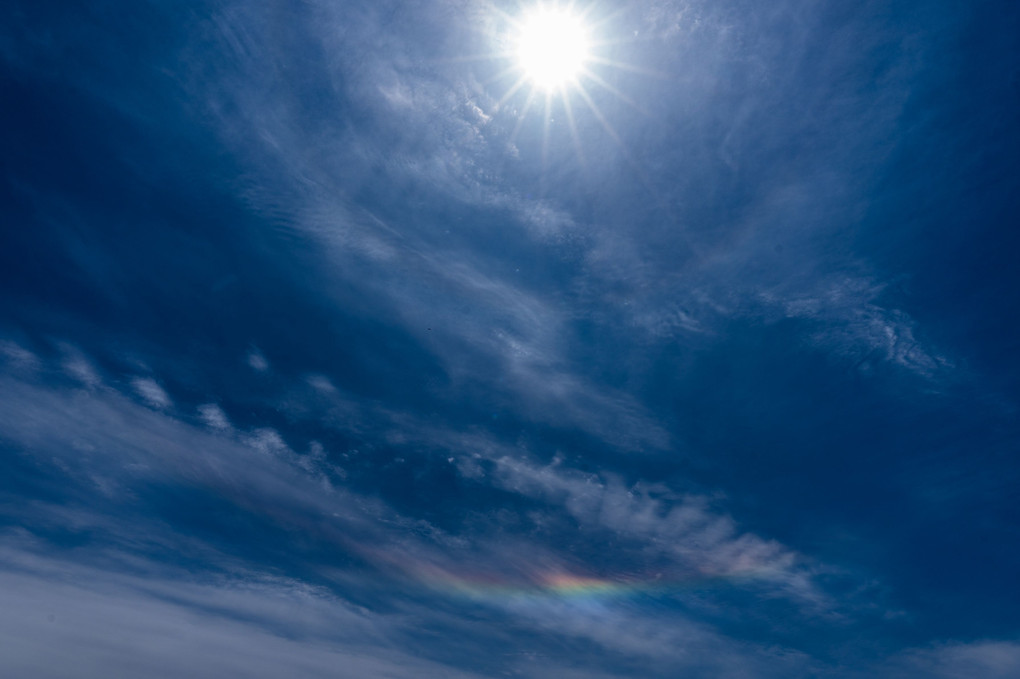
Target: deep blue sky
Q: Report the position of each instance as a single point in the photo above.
(316, 361)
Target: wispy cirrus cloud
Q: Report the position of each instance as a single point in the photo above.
(67, 619)
(854, 327)
(961, 660)
(111, 444)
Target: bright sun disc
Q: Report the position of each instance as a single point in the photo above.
(552, 47)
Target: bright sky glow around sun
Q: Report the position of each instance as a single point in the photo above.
(552, 47)
(556, 62)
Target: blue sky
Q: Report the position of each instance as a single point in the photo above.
(325, 353)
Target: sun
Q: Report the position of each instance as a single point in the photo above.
(552, 47)
(558, 50)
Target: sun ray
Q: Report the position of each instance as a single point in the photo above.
(598, 80)
(578, 148)
(598, 116)
(586, 11)
(505, 16)
(639, 171)
(605, 20)
(502, 75)
(470, 58)
(602, 61)
(545, 129)
(523, 115)
(521, 82)
(554, 49)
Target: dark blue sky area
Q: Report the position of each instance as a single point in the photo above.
(327, 351)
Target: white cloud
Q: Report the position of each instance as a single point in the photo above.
(17, 355)
(855, 328)
(441, 139)
(257, 361)
(214, 416)
(985, 659)
(697, 538)
(102, 435)
(82, 370)
(149, 389)
(60, 619)
(321, 383)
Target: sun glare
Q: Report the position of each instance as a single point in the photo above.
(558, 55)
(552, 47)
